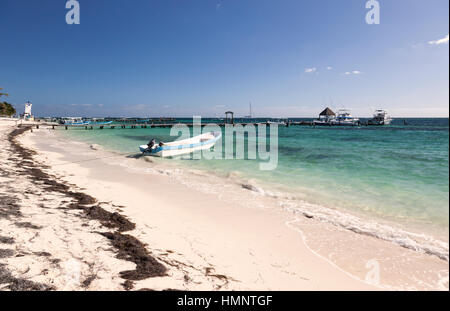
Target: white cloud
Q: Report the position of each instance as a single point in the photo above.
(329, 68)
(310, 70)
(439, 41)
(354, 72)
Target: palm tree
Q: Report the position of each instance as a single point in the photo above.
(3, 94)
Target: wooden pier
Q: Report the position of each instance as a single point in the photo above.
(160, 125)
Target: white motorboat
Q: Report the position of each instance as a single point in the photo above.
(344, 118)
(380, 117)
(74, 121)
(185, 146)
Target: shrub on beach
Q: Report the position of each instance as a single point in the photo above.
(6, 109)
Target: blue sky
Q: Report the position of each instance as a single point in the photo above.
(203, 57)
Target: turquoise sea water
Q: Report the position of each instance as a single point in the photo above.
(398, 172)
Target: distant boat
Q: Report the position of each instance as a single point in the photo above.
(344, 118)
(380, 117)
(100, 122)
(279, 122)
(185, 146)
(74, 121)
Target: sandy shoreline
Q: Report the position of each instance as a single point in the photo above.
(231, 239)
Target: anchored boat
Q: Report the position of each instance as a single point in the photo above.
(101, 122)
(344, 118)
(74, 121)
(380, 117)
(185, 146)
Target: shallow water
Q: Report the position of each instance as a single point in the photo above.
(399, 173)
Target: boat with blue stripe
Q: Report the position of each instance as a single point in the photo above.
(185, 146)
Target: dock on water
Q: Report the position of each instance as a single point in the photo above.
(160, 125)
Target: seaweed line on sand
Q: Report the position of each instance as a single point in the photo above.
(128, 247)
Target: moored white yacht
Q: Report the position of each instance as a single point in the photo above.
(344, 118)
(380, 117)
(74, 121)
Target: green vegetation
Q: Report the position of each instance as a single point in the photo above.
(6, 109)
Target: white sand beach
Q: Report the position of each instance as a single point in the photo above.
(205, 239)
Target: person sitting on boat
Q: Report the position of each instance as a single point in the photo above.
(161, 144)
(151, 144)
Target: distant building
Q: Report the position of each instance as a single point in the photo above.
(327, 115)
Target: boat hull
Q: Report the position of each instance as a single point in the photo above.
(321, 123)
(374, 122)
(176, 148)
(337, 123)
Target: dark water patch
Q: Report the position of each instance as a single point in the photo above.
(286, 134)
(291, 150)
(416, 129)
(405, 156)
(355, 139)
(6, 240)
(319, 156)
(131, 249)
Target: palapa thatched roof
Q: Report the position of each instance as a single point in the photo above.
(327, 112)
